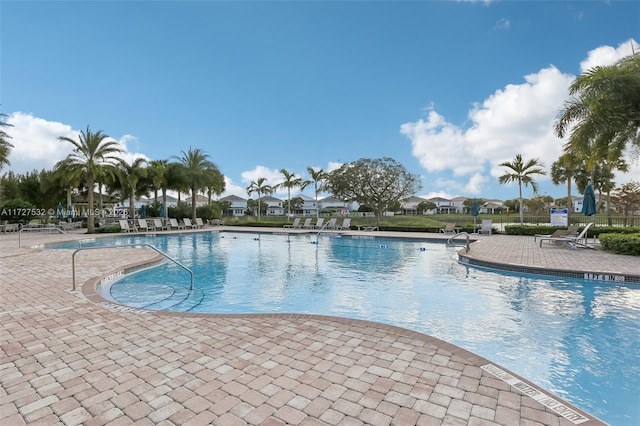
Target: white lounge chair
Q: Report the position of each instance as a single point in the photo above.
(346, 224)
(319, 223)
(173, 224)
(486, 227)
(449, 228)
(331, 224)
(188, 223)
(295, 224)
(572, 241)
(199, 222)
(157, 224)
(144, 226)
(307, 223)
(124, 226)
(571, 231)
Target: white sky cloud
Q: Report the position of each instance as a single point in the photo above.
(517, 119)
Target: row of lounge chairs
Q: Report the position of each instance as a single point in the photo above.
(569, 237)
(320, 224)
(144, 225)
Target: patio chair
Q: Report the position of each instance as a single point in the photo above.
(319, 223)
(449, 228)
(188, 223)
(307, 223)
(486, 227)
(158, 225)
(346, 224)
(173, 224)
(295, 224)
(199, 222)
(331, 224)
(124, 226)
(571, 231)
(144, 226)
(572, 241)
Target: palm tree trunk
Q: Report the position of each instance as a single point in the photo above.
(193, 204)
(91, 226)
(521, 203)
(164, 201)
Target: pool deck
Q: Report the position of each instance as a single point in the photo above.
(70, 357)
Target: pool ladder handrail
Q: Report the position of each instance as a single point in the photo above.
(466, 246)
(46, 228)
(151, 246)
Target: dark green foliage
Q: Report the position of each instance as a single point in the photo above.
(108, 229)
(17, 210)
(620, 243)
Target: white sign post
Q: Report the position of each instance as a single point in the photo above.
(560, 217)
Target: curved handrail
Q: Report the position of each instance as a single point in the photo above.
(73, 259)
(47, 228)
(450, 241)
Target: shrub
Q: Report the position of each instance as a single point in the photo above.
(108, 229)
(621, 243)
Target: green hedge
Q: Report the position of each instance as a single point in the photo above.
(621, 243)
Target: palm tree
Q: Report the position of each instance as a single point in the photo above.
(563, 170)
(290, 181)
(522, 173)
(5, 146)
(130, 175)
(318, 178)
(91, 152)
(215, 183)
(260, 186)
(605, 108)
(196, 164)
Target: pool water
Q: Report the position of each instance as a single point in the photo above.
(578, 339)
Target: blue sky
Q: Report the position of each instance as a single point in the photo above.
(449, 89)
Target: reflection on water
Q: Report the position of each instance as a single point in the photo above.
(578, 339)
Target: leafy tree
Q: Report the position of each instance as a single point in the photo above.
(375, 182)
(157, 171)
(5, 146)
(91, 152)
(260, 187)
(318, 179)
(215, 183)
(294, 204)
(196, 163)
(563, 170)
(521, 172)
(627, 198)
(425, 205)
(290, 181)
(605, 108)
(129, 177)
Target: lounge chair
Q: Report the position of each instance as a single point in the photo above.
(319, 223)
(188, 223)
(572, 231)
(144, 226)
(449, 228)
(331, 224)
(486, 227)
(216, 222)
(124, 226)
(173, 224)
(572, 241)
(295, 224)
(307, 223)
(346, 224)
(199, 222)
(157, 224)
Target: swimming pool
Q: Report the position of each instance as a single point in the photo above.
(577, 339)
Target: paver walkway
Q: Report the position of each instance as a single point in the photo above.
(70, 358)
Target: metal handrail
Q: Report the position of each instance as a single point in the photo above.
(73, 259)
(450, 241)
(47, 228)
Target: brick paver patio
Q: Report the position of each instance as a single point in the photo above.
(71, 358)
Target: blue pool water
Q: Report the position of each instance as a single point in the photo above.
(578, 339)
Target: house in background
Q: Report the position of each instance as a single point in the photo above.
(309, 207)
(274, 206)
(444, 205)
(237, 207)
(332, 203)
(410, 205)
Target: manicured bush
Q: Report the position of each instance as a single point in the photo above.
(108, 229)
(621, 243)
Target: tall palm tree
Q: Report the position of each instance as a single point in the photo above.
(91, 152)
(130, 174)
(522, 173)
(318, 178)
(214, 183)
(563, 170)
(196, 163)
(5, 146)
(605, 107)
(290, 181)
(259, 186)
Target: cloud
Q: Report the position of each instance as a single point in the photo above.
(517, 119)
(607, 55)
(502, 24)
(36, 144)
